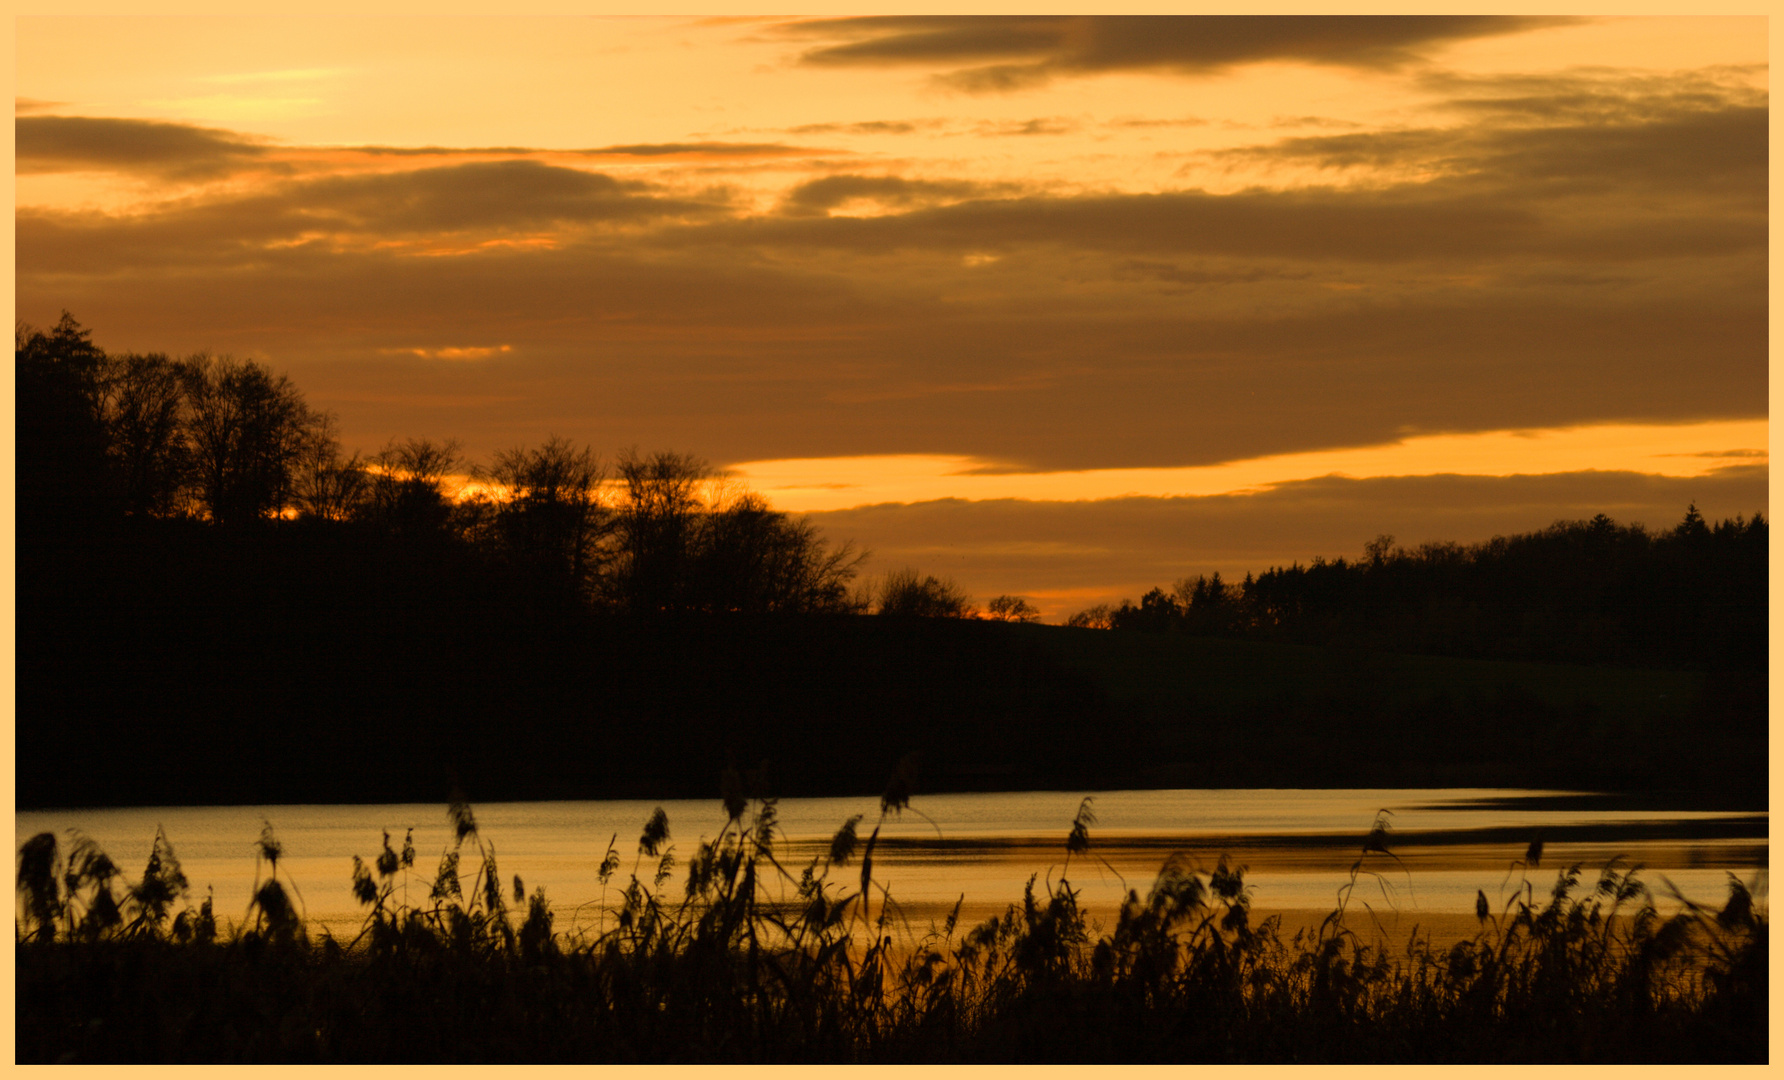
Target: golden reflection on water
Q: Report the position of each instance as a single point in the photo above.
(1298, 849)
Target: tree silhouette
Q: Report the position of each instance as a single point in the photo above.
(245, 429)
(62, 465)
(1156, 613)
(549, 520)
(1012, 609)
(143, 406)
(657, 520)
(1091, 618)
(324, 485)
(904, 593)
(753, 558)
(407, 491)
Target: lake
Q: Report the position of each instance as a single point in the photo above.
(1300, 847)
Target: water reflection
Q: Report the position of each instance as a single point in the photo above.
(1299, 846)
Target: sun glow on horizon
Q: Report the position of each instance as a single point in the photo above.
(807, 485)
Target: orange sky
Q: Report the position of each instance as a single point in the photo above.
(1062, 307)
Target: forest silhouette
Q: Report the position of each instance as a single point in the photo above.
(218, 603)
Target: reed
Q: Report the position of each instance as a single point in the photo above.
(737, 956)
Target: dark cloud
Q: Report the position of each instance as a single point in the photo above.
(1332, 225)
(75, 143)
(701, 150)
(823, 195)
(443, 151)
(1593, 96)
(1354, 149)
(1186, 121)
(1554, 274)
(1221, 276)
(1719, 151)
(493, 198)
(22, 105)
(1044, 125)
(708, 150)
(1007, 53)
(1691, 151)
(480, 195)
(1313, 121)
(743, 356)
(865, 127)
(924, 39)
(1082, 553)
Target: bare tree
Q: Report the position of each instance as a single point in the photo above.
(142, 403)
(753, 558)
(658, 521)
(410, 489)
(1094, 618)
(549, 516)
(244, 429)
(324, 484)
(904, 593)
(1013, 609)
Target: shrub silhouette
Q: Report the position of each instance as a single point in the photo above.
(904, 593)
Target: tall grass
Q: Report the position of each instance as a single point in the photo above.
(740, 955)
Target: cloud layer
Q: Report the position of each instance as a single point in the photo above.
(1014, 52)
(822, 256)
(1577, 272)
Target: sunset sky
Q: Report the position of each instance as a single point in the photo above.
(1060, 307)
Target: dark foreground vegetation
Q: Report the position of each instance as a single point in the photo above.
(206, 577)
(755, 960)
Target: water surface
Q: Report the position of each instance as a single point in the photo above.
(1300, 847)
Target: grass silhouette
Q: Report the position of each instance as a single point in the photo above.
(749, 959)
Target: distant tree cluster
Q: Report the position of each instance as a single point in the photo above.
(907, 593)
(229, 443)
(1585, 591)
(150, 435)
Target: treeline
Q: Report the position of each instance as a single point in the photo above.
(216, 603)
(1694, 596)
(105, 437)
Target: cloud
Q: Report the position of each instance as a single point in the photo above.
(1714, 147)
(184, 151)
(1044, 125)
(78, 143)
(707, 150)
(453, 352)
(1157, 270)
(1014, 52)
(866, 127)
(1144, 122)
(477, 195)
(1662, 186)
(23, 105)
(1551, 273)
(826, 194)
(492, 199)
(1588, 96)
(743, 357)
(1402, 225)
